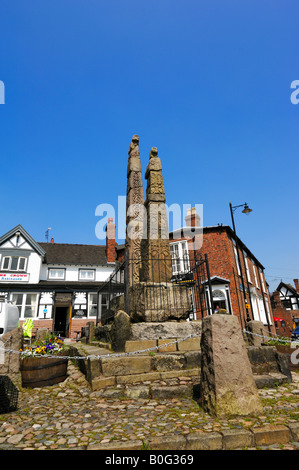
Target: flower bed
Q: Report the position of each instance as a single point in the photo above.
(51, 345)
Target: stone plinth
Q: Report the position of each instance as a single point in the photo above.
(158, 302)
(227, 386)
(165, 330)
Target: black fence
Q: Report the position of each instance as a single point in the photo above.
(159, 289)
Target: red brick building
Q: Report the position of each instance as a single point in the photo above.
(228, 275)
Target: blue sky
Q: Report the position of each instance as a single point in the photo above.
(207, 82)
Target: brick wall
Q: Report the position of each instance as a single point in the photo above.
(76, 325)
(222, 263)
(219, 248)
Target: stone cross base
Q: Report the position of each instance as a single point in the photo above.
(159, 302)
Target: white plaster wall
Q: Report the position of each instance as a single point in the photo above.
(72, 272)
(34, 268)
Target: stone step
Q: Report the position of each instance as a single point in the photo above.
(149, 377)
(153, 374)
(270, 380)
(165, 385)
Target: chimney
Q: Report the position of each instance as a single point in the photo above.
(110, 241)
(52, 240)
(296, 282)
(276, 298)
(192, 218)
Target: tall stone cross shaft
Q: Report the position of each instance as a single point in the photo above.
(156, 260)
(134, 211)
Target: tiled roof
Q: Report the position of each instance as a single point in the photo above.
(64, 253)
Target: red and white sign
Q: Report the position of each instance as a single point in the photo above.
(14, 277)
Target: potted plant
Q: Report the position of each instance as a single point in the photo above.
(44, 363)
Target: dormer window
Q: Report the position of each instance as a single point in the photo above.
(86, 274)
(56, 273)
(13, 263)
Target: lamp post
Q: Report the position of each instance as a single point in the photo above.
(246, 210)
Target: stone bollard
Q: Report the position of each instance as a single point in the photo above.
(227, 386)
(256, 336)
(120, 331)
(10, 361)
(91, 331)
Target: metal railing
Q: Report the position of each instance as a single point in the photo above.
(159, 289)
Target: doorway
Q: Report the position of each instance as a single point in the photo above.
(61, 321)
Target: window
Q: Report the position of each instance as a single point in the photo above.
(5, 263)
(263, 317)
(26, 304)
(237, 260)
(255, 307)
(179, 257)
(93, 305)
(262, 280)
(30, 306)
(255, 276)
(13, 263)
(286, 303)
(247, 267)
(56, 273)
(268, 311)
(86, 274)
(17, 299)
(219, 300)
(104, 303)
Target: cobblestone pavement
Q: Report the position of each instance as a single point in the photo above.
(70, 416)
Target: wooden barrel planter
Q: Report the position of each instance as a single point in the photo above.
(43, 371)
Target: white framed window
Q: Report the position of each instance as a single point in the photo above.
(17, 299)
(255, 307)
(268, 311)
(26, 304)
(14, 263)
(56, 273)
(86, 274)
(255, 276)
(247, 267)
(92, 305)
(179, 257)
(263, 282)
(263, 317)
(237, 259)
(30, 305)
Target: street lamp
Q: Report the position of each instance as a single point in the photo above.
(247, 211)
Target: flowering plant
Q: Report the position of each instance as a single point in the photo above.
(48, 346)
